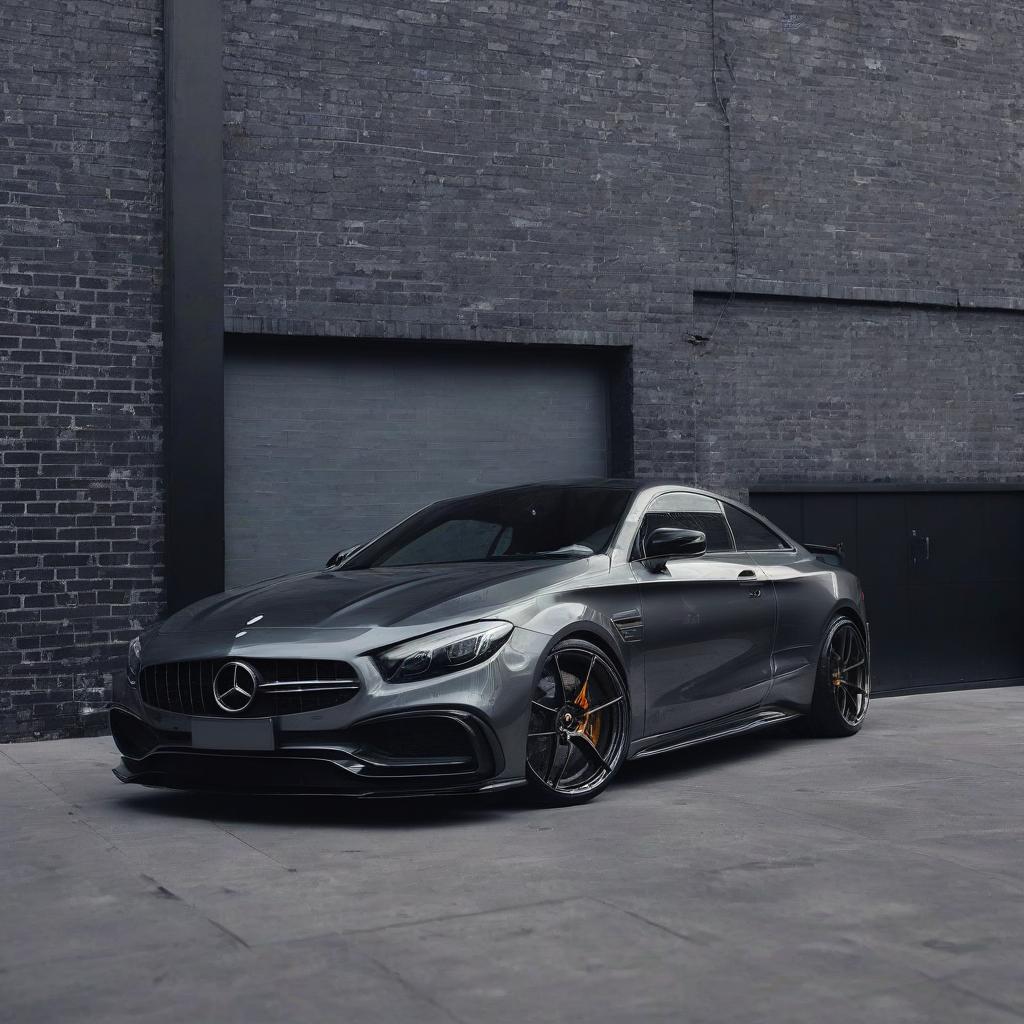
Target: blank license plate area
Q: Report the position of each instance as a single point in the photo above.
(243, 734)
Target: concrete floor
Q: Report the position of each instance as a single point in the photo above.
(771, 878)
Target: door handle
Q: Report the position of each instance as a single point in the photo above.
(927, 554)
(749, 578)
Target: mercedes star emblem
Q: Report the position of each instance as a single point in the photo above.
(234, 686)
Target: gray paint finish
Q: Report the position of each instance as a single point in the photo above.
(325, 448)
(754, 625)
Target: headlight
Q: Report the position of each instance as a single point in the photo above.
(134, 660)
(439, 653)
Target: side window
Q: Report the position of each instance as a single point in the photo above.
(751, 534)
(687, 512)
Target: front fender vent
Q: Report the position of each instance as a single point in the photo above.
(630, 625)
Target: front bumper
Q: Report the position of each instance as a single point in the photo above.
(465, 732)
(403, 754)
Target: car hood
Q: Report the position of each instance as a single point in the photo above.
(371, 597)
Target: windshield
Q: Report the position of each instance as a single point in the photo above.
(522, 523)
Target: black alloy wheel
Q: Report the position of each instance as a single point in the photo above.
(579, 725)
(842, 689)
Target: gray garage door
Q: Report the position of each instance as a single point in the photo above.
(326, 445)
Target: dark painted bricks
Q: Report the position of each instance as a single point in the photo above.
(80, 495)
(516, 172)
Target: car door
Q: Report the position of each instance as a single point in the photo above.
(804, 591)
(708, 620)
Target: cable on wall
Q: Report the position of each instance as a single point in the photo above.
(723, 106)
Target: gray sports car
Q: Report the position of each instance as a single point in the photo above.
(538, 635)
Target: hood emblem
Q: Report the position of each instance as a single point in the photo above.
(234, 686)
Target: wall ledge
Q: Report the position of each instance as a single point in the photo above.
(945, 298)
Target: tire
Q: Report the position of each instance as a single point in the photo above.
(578, 733)
(842, 685)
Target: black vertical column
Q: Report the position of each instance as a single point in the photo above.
(193, 300)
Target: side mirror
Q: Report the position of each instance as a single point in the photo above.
(670, 542)
(339, 556)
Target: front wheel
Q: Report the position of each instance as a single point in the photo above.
(579, 725)
(842, 688)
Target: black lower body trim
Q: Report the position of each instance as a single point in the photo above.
(264, 776)
(731, 725)
(405, 753)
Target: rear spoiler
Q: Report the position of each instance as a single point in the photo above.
(830, 554)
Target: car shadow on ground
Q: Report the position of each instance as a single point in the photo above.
(437, 811)
(318, 810)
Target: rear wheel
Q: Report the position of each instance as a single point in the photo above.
(842, 688)
(579, 725)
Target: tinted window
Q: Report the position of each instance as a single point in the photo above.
(473, 538)
(521, 523)
(751, 534)
(711, 524)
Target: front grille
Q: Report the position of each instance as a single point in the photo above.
(287, 686)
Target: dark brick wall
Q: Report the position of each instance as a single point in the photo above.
(501, 170)
(80, 209)
(557, 172)
(807, 391)
(879, 143)
(510, 172)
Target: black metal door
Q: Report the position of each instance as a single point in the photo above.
(880, 557)
(964, 596)
(941, 572)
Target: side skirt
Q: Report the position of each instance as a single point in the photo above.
(747, 721)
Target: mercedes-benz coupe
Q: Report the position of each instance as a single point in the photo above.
(535, 636)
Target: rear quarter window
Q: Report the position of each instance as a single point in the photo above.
(751, 534)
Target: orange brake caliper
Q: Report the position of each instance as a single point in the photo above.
(592, 726)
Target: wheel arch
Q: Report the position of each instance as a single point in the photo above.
(846, 609)
(598, 638)
(594, 633)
